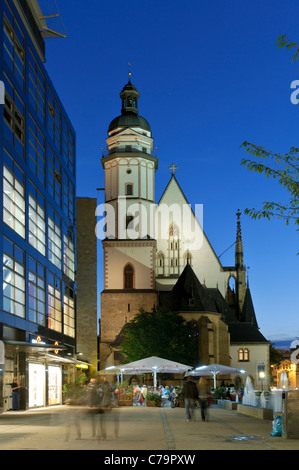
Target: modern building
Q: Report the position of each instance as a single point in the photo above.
(37, 225)
(158, 254)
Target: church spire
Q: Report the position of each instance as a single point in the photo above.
(239, 244)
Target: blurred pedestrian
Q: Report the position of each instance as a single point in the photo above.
(190, 395)
(93, 401)
(203, 396)
(144, 394)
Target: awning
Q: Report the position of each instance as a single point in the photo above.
(66, 360)
(26, 346)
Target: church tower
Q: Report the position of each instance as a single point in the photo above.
(129, 245)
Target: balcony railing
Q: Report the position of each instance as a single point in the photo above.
(127, 149)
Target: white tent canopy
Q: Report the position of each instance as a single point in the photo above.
(153, 365)
(215, 369)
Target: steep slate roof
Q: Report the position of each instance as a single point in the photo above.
(222, 305)
(248, 313)
(189, 295)
(244, 332)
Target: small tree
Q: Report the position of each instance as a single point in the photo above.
(160, 333)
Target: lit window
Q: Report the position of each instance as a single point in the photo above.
(69, 312)
(36, 219)
(13, 196)
(68, 257)
(243, 355)
(246, 355)
(240, 355)
(54, 238)
(13, 279)
(36, 293)
(54, 303)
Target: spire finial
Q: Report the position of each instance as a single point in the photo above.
(238, 214)
(129, 73)
(239, 244)
(173, 168)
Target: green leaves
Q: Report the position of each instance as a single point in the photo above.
(282, 167)
(282, 41)
(285, 169)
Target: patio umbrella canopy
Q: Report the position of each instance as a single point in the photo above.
(215, 369)
(153, 365)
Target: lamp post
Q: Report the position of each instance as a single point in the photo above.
(262, 376)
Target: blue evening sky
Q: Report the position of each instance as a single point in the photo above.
(210, 77)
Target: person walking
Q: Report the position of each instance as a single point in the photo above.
(190, 395)
(203, 395)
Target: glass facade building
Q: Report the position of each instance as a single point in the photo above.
(37, 223)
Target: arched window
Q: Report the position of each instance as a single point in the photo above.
(240, 355)
(174, 249)
(246, 354)
(243, 355)
(129, 277)
(160, 264)
(129, 189)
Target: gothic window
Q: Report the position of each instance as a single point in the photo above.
(243, 355)
(240, 355)
(246, 354)
(128, 277)
(160, 264)
(174, 250)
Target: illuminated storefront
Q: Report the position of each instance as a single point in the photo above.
(41, 370)
(36, 385)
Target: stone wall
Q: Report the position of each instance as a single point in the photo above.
(86, 326)
(117, 308)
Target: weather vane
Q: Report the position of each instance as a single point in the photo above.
(172, 168)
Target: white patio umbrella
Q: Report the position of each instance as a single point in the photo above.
(154, 365)
(215, 369)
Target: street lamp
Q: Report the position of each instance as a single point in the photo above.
(262, 376)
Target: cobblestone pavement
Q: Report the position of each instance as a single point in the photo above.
(134, 429)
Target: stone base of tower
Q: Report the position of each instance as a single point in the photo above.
(117, 308)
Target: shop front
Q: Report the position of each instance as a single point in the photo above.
(40, 372)
(45, 384)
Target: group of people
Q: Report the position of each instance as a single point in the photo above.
(167, 393)
(195, 393)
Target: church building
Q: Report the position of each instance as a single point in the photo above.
(157, 254)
